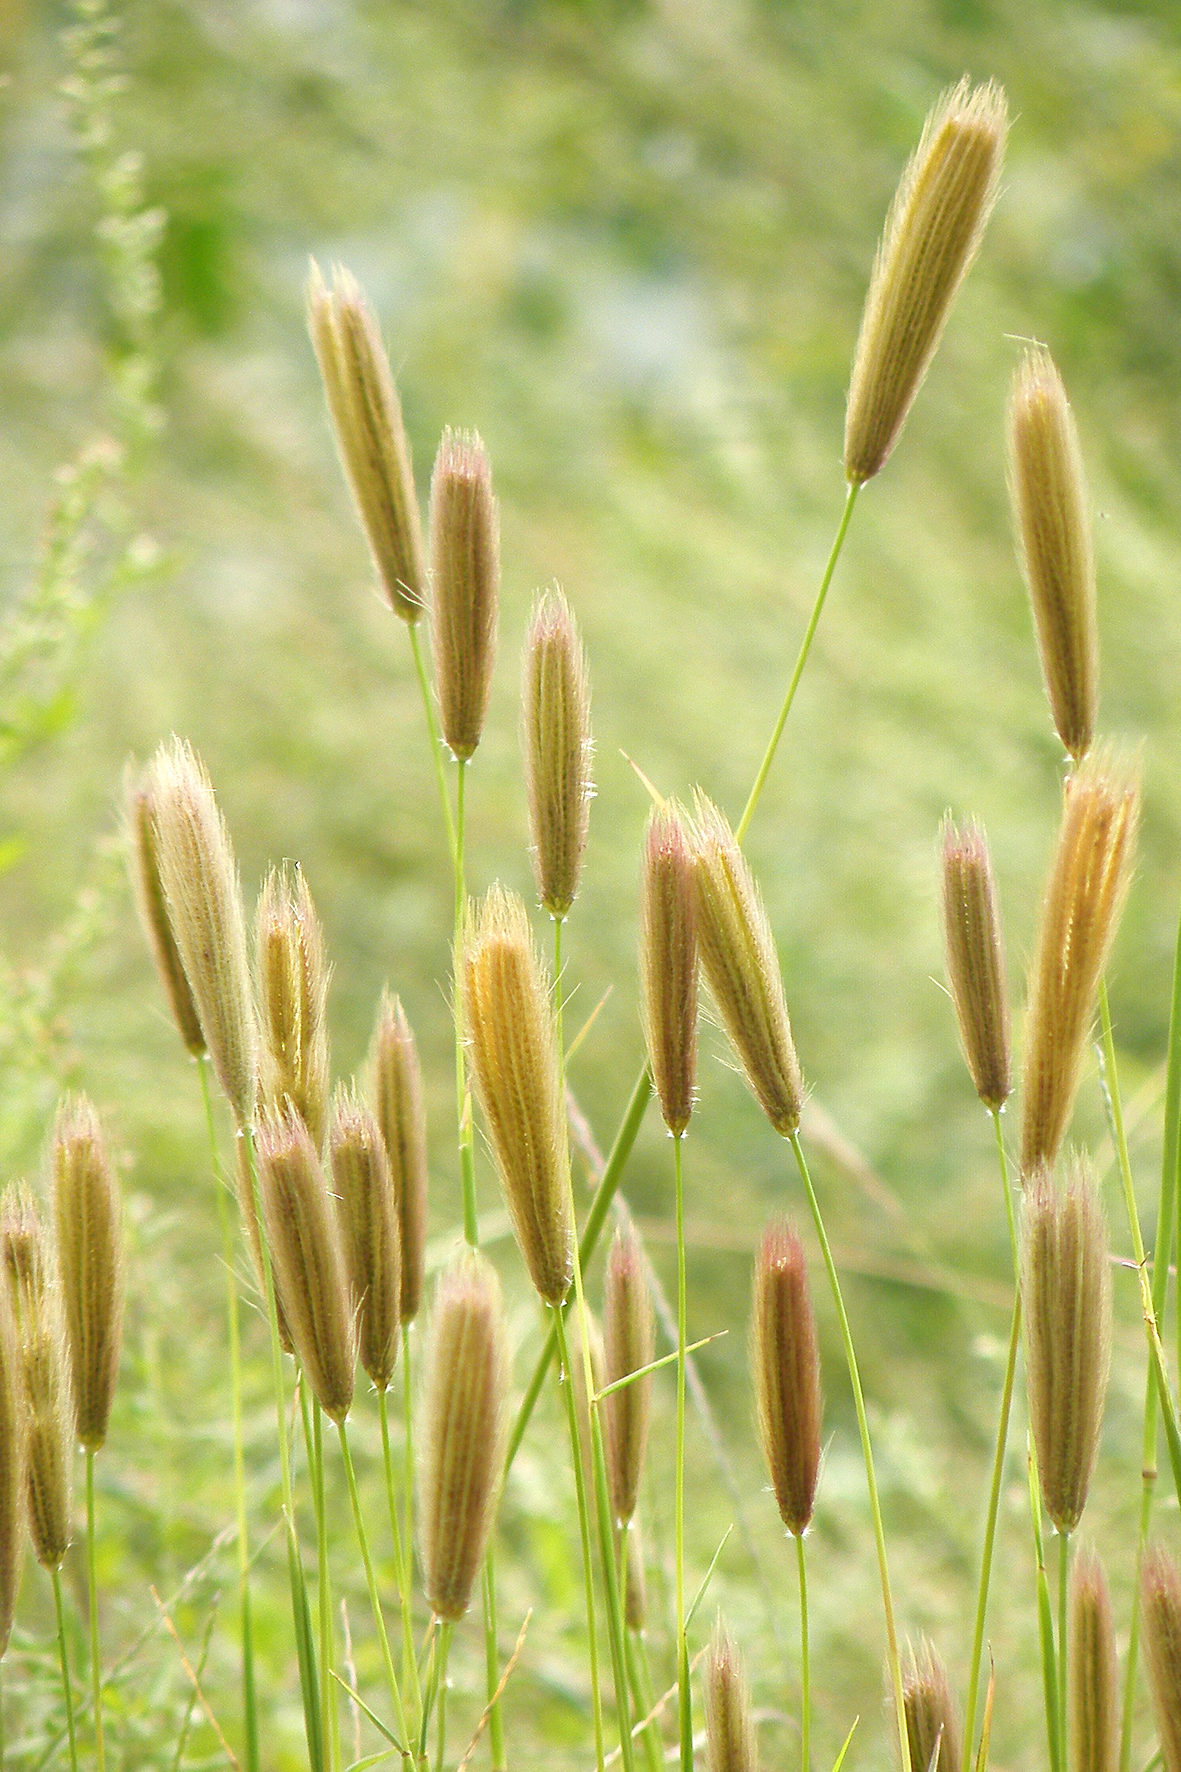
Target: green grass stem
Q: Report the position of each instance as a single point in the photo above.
(96, 1672)
(684, 1692)
(805, 1662)
(436, 742)
(371, 1584)
(63, 1655)
(566, 1386)
(1045, 1616)
(409, 1660)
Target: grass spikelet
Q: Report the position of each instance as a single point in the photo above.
(143, 853)
(932, 1727)
(629, 1343)
(462, 1431)
(88, 1220)
(1083, 901)
(465, 586)
(13, 1464)
(730, 1729)
(742, 968)
(292, 978)
(1094, 1695)
(514, 1057)
(1047, 488)
(367, 418)
(976, 961)
(786, 1365)
(556, 744)
(668, 963)
(369, 1220)
(1160, 1600)
(44, 1366)
(401, 1115)
(932, 234)
(245, 1192)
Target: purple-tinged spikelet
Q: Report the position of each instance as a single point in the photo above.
(1083, 901)
(1160, 1602)
(1047, 487)
(13, 1463)
(742, 968)
(465, 586)
(369, 1220)
(461, 1431)
(44, 1366)
(398, 1105)
(730, 1729)
(204, 902)
(307, 1259)
(786, 1365)
(668, 962)
(143, 853)
(976, 961)
(1066, 1298)
(932, 1726)
(933, 232)
(367, 418)
(629, 1343)
(556, 745)
(512, 1041)
(292, 978)
(88, 1220)
(1093, 1684)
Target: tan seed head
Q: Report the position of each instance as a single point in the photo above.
(785, 1362)
(976, 961)
(1160, 1602)
(932, 1727)
(668, 962)
(401, 1115)
(369, 1221)
(292, 979)
(1093, 1682)
(13, 1464)
(88, 1219)
(730, 1729)
(245, 1192)
(143, 853)
(465, 586)
(44, 1366)
(629, 1344)
(556, 744)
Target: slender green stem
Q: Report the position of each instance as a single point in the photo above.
(1063, 1647)
(409, 1660)
(371, 1583)
(805, 1662)
(431, 1687)
(492, 1664)
(441, 1705)
(893, 1658)
(96, 1674)
(1045, 1615)
(436, 742)
(408, 1460)
(684, 1693)
(467, 1166)
(566, 1384)
(330, 1722)
(67, 1691)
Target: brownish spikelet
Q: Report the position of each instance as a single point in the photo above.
(465, 586)
(629, 1343)
(401, 1115)
(1047, 488)
(742, 968)
(461, 1432)
(307, 1258)
(292, 978)
(556, 744)
(246, 1205)
(44, 1366)
(1066, 1299)
(88, 1220)
(730, 1729)
(369, 1220)
(1081, 909)
(1160, 1601)
(513, 1045)
(204, 902)
(142, 847)
(1093, 1684)
(976, 961)
(13, 1463)
(932, 1727)
(932, 234)
(367, 418)
(668, 963)
(786, 1366)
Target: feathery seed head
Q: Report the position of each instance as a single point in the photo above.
(367, 418)
(1093, 1684)
(246, 1205)
(398, 1104)
(932, 234)
(143, 853)
(1160, 1601)
(44, 1367)
(465, 586)
(629, 1344)
(730, 1729)
(932, 1727)
(512, 1040)
(369, 1221)
(292, 978)
(556, 742)
(976, 961)
(88, 1219)
(668, 962)
(13, 1464)
(786, 1364)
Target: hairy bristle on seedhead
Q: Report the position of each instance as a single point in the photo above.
(742, 968)
(932, 1726)
(512, 1040)
(1160, 1603)
(292, 979)
(1081, 908)
(556, 746)
(401, 1115)
(13, 1463)
(976, 961)
(307, 1258)
(932, 234)
(246, 1205)
(1093, 1682)
(1048, 491)
(465, 586)
(629, 1344)
(204, 902)
(785, 1362)
(367, 418)
(44, 1367)
(461, 1431)
(88, 1220)
(144, 860)
(369, 1219)
(1066, 1299)
(668, 962)
(730, 1730)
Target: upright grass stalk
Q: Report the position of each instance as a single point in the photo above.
(1045, 1615)
(330, 1720)
(67, 1691)
(441, 1705)
(805, 1661)
(684, 1693)
(471, 1231)
(436, 743)
(566, 1382)
(409, 1660)
(1063, 1628)
(371, 1584)
(96, 1676)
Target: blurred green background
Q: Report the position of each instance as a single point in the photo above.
(628, 242)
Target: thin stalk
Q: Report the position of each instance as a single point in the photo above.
(408, 1460)
(641, 1676)
(893, 1659)
(96, 1675)
(684, 1692)
(566, 1384)
(432, 727)
(330, 1723)
(492, 1665)
(409, 1660)
(371, 1583)
(55, 1576)
(805, 1662)
(1063, 1657)
(1045, 1620)
(467, 1166)
(441, 1706)
(434, 1630)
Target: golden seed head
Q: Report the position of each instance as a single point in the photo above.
(292, 978)
(742, 968)
(88, 1219)
(465, 586)
(556, 743)
(512, 1040)
(668, 962)
(1160, 1602)
(13, 1464)
(367, 418)
(629, 1343)
(932, 1727)
(1066, 1298)
(1093, 1684)
(1083, 901)
(976, 961)
(461, 1431)
(204, 902)
(785, 1362)
(401, 1115)
(1048, 490)
(44, 1366)
(307, 1258)
(246, 1205)
(932, 234)
(143, 854)
(369, 1221)
(730, 1729)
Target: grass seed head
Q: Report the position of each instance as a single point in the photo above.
(668, 962)
(786, 1364)
(88, 1220)
(730, 1730)
(13, 1464)
(465, 586)
(629, 1343)
(976, 961)
(932, 1726)
(44, 1367)
(292, 978)
(246, 1205)
(1093, 1684)
(556, 743)
(143, 853)
(369, 1221)
(401, 1115)
(1160, 1602)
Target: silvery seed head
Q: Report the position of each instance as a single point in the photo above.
(44, 1365)
(1160, 1602)
(13, 1464)
(976, 961)
(1093, 1684)
(88, 1219)
(932, 1727)
(786, 1366)
(369, 1220)
(556, 745)
(292, 979)
(668, 963)
(143, 854)
(465, 586)
(629, 1344)
(401, 1115)
(730, 1729)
